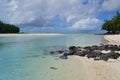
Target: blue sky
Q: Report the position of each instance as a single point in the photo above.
(58, 15)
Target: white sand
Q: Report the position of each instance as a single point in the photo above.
(113, 39)
(82, 68)
(31, 34)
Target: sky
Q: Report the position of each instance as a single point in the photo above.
(58, 15)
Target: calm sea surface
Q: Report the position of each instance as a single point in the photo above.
(23, 58)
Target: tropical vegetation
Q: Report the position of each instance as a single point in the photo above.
(112, 26)
(8, 28)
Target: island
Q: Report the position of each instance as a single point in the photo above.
(8, 28)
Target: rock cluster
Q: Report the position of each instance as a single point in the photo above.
(97, 52)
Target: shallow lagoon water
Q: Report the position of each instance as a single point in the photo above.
(23, 58)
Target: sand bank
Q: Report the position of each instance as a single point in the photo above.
(113, 39)
(31, 34)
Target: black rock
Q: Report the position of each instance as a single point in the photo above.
(94, 47)
(54, 68)
(63, 57)
(78, 48)
(65, 54)
(113, 55)
(84, 52)
(60, 51)
(52, 52)
(104, 57)
(87, 47)
(78, 53)
(101, 48)
(72, 47)
(56, 52)
(72, 50)
(94, 54)
(90, 51)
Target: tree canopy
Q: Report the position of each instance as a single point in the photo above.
(8, 28)
(113, 25)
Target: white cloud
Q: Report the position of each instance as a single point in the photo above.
(86, 24)
(76, 13)
(13, 5)
(21, 11)
(111, 5)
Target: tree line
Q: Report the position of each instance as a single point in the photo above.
(8, 28)
(112, 26)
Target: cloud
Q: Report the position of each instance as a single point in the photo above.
(79, 14)
(111, 5)
(87, 24)
(23, 11)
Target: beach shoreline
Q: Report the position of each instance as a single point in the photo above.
(81, 68)
(31, 34)
(100, 70)
(113, 39)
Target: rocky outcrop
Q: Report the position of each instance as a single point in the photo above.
(94, 51)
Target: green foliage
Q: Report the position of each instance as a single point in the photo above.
(8, 28)
(113, 25)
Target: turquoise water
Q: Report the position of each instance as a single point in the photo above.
(23, 58)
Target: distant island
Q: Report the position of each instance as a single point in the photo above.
(8, 28)
(112, 26)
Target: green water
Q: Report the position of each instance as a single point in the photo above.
(23, 58)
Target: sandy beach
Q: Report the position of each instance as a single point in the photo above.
(96, 70)
(31, 34)
(113, 39)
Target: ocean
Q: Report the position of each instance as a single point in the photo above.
(25, 57)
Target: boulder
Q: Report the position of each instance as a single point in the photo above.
(104, 57)
(113, 55)
(63, 57)
(72, 47)
(94, 47)
(87, 47)
(78, 48)
(101, 48)
(81, 53)
(78, 53)
(72, 50)
(84, 53)
(94, 54)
